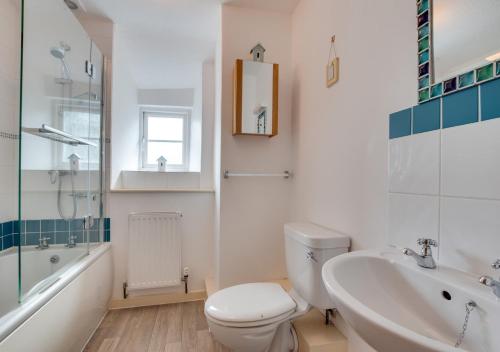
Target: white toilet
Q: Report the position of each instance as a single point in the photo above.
(256, 317)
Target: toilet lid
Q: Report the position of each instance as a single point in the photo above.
(249, 303)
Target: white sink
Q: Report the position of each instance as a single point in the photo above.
(396, 306)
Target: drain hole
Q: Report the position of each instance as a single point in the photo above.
(446, 295)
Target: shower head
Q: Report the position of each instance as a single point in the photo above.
(71, 4)
(58, 52)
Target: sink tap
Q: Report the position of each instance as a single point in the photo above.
(424, 259)
(43, 243)
(490, 282)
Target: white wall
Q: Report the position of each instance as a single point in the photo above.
(10, 47)
(253, 210)
(341, 133)
(125, 111)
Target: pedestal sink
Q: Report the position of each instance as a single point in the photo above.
(396, 306)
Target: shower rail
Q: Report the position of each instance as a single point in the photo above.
(56, 135)
(284, 174)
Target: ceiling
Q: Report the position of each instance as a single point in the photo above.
(168, 40)
(286, 6)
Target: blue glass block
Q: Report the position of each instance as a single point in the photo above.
(437, 90)
(484, 73)
(16, 224)
(423, 18)
(450, 85)
(460, 108)
(423, 82)
(423, 31)
(466, 79)
(76, 225)
(7, 228)
(62, 225)
(423, 69)
(1, 230)
(400, 124)
(498, 68)
(62, 237)
(32, 239)
(423, 57)
(490, 100)
(33, 226)
(48, 225)
(424, 95)
(107, 236)
(423, 44)
(427, 117)
(423, 6)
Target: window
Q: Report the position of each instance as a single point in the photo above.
(79, 122)
(165, 134)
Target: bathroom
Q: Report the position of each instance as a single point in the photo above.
(247, 175)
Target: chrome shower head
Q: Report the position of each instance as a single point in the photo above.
(58, 52)
(71, 4)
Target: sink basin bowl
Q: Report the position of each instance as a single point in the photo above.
(395, 305)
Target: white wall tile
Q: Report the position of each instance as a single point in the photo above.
(412, 217)
(470, 234)
(414, 164)
(471, 160)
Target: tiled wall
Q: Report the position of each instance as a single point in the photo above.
(10, 47)
(444, 177)
(58, 232)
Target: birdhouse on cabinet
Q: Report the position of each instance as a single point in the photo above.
(258, 53)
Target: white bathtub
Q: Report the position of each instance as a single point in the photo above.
(61, 312)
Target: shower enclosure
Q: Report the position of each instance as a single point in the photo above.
(61, 153)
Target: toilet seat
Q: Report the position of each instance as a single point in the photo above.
(250, 305)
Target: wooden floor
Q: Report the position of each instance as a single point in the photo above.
(167, 328)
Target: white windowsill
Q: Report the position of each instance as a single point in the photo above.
(151, 181)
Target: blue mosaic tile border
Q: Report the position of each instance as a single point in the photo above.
(57, 230)
(471, 105)
(427, 89)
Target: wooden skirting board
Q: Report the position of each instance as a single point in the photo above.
(154, 300)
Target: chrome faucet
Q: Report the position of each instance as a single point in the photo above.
(43, 243)
(71, 242)
(424, 259)
(490, 282)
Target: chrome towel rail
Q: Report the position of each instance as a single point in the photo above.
(284, 174)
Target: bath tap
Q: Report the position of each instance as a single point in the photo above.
(490, 282)
(424, 259)
(71, 242)
(43, 243)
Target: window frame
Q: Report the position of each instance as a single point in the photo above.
(61, 107)
(185, 114)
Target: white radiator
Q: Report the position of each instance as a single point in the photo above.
(154, 250)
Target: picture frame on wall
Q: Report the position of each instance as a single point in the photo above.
(332, 72)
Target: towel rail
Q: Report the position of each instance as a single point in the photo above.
(284, 174)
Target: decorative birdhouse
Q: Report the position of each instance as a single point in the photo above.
(258, 53)
(74, 162)
(162, 164)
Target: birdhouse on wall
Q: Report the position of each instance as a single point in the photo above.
(258, 53)
(162, 164)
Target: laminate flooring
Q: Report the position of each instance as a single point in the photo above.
(167, 328)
